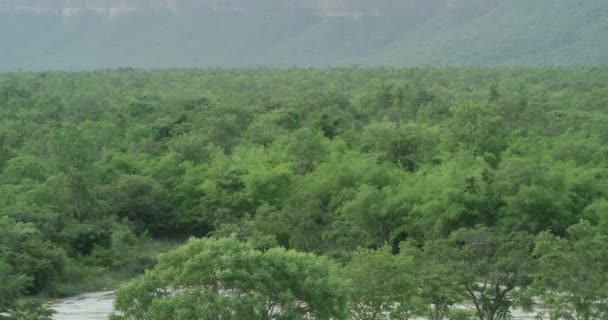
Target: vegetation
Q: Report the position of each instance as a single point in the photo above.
(382, 284)
(494, 270)
(227, 279)
(572, 276)
(328, 194)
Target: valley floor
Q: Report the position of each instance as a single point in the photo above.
(90, 306)
(98, 306)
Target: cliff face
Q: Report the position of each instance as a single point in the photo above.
(335, 8)
(75, 7)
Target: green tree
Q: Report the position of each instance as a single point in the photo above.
(271, 186)
(406, 145)
(71, 149)
(494, 93)
(141, 200)
(13, 305)
(439, 284)
(572, 279)
(382, 284)
(493, 270)
(228, 279)
(474, 126)
(26, 253)
(13, 287)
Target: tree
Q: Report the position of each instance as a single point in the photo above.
(13, 305)
(439, 287)
(406, 145)
(27, 265)
(13, 287)
(573, 273)
(71, 149)
(142, 200)
(271, 186)
(493, 270)
(367, 211)
(476, 127)
(494, 93)
(27, 254)
(382, 284)
(23, 168)
(306, 149)
(228, 279)
(72, 196)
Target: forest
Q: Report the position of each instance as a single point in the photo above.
(341, 193)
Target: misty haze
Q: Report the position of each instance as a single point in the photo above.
(90, 34)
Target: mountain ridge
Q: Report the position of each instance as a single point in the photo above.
(81, 34)
(332, 8)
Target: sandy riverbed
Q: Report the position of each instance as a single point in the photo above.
(98, 306)
(90, 306)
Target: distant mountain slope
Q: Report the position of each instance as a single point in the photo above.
(518, 32)
(79, 34)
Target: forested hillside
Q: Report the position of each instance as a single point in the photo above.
(78, 35)
(452, 176)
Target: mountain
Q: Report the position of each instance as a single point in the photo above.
(88, 34)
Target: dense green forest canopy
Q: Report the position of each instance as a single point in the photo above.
(404, 167)
(84, 35)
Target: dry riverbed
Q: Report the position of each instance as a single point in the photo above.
(90, 306)
(98, 306)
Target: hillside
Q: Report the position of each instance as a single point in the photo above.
(61, 34)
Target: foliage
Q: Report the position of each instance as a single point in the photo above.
(572, 277)
(141, 200)
(97, 168)
(26, 253)
(382, 284)
(227, 279)
(439, 285)
(493, 270)
(27, 265)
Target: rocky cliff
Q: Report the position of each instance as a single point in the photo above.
(353, 8)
